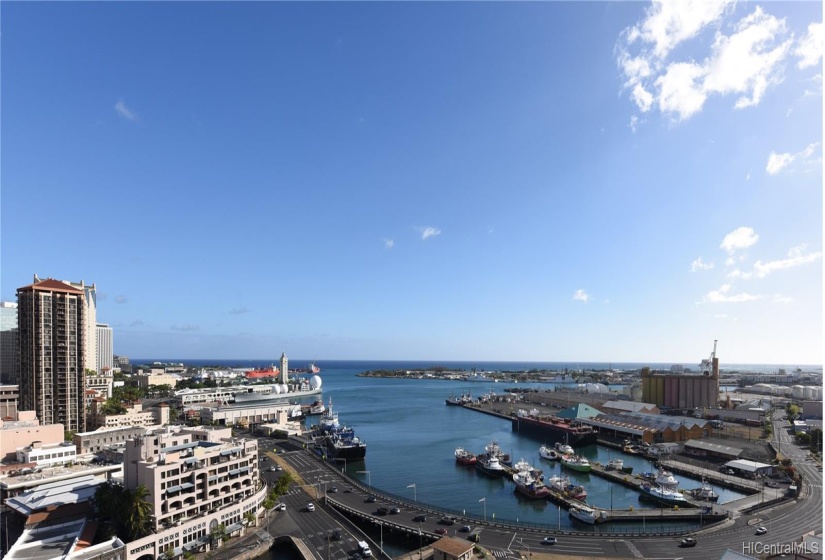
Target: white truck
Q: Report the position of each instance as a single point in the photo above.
(364, 548)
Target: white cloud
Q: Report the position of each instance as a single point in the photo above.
(722, 296)
(668, 23)
(699, 264)
(124, 111)
(389, 243)
(581, 295)
(721, 316)
(429, 231)
(740, 238)
(779, 298)
(809, 48)
(796, 257)
(634, 122)
(748, 176)
(746, 62)
(778, 162)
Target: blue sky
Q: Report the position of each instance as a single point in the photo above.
(589, 181)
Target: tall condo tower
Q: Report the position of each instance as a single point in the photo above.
(284, 368)
(90, 323)
(52, 347)
(105, 348)
(9, 367)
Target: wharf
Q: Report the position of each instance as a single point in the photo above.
(634, 482)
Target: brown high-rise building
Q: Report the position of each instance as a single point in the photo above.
(685, 390)
(52, 331)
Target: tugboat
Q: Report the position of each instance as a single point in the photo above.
(464, 457)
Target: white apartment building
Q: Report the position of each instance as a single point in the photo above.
(105, 348)
(197, 478)
(134, 416)
(47, 455)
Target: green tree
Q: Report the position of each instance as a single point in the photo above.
(249, 517)
(792, 411)
(112, 407)
(68, 435)
(218, 534)
(139, 517)
(803, 439)
(816, 439)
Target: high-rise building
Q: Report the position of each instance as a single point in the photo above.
(52, 346)
(90, 323)
(9, 366)
(284, 368)
(105, 348)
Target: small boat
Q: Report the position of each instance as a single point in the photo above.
(315, 408)
(549, 453)
(493, 450)
(562, 484)
(565, 449)
(661, 495)
(706, 492)
(615, 465)
(329, 419)
(530, 486)
(576, 462)
(312, 368)
(585, 514)
(665, 479)
(464, 457)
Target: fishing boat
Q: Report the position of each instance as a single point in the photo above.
(490, 465)
(329, 419)
(665, 479)
(549, 453)
(493, 450)
(523, 465)
(664, 496)
(530, 486)
(576, 462)
(705, 492)
(584, 514)
(563, 485)
(464, 457)
(459, 400)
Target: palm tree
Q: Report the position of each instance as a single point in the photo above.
(139, 518)
(249, 517)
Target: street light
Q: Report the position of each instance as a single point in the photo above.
(485, 508)
(369, 477)
(415, 497)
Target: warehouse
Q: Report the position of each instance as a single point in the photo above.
(751, 469)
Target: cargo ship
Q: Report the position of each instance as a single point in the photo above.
(553, 428)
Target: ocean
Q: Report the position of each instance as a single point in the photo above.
(411, 437)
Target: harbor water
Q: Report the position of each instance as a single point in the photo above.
(412, 435)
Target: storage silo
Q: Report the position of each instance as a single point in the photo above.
(808, 393)
(797, 391)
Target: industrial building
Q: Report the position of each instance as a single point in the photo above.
(684, 390)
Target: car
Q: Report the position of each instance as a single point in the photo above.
(395, 510)
(272, 469)
(441, 531)
(382, 511)
(280, 507)
(335, 535)
(333, 490)
(465, 529)
(761, 530)
(279, 468)
(310, 506)
(448, 520)
(349, 490)
(549, 540)
(686, 542)
(420, 518)
(371, 500)
(475, 537)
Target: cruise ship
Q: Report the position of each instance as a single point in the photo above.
(251, 394)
